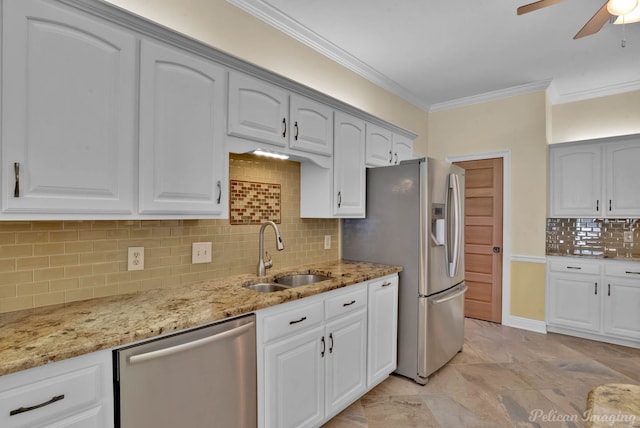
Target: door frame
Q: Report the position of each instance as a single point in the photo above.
(507, 319)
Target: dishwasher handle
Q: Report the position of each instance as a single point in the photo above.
(136, 359)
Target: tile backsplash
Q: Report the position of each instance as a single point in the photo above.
(50, 262)
(593, 237)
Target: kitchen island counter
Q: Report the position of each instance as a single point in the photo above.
(34, 337)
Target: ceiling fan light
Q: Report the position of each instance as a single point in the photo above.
(629, 18)
(621, 7)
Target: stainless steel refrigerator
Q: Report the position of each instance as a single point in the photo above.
(415, 218)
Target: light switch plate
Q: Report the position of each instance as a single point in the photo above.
(201, 252)
(135, 260)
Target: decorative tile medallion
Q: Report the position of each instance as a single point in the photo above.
(253, 203)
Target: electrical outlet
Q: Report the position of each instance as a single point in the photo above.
(201, 252)
(135, 260)
(628, 236)
(327, 242)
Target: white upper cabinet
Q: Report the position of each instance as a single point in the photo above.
(595, 178)
(258, 110)
(312, 126)
(622, 169)
(68, 112)
(386, 148)
(576, 181)
(183, 162)
(349, 192)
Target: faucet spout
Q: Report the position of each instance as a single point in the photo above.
(263, 264)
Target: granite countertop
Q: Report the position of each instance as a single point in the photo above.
(613, 405)
(34, 337)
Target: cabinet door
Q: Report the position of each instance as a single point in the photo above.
(576, 181)
(312, 126)
(622, 166)
(402, 149)
(574, 301)
(68, 111)
(258, 110)
(383, 329)
(346, 359)
(182, 156)
(621, 307)
(378, 146)
(348, 166)
(294, 380)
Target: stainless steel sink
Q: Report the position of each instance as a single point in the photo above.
(266, 287)
(297, 280)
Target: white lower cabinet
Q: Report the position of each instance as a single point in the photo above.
(382, 326)
(596, 299)
(74, 393)
(313, 354)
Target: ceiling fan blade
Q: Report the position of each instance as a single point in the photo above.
(596, 22)
(531, 7)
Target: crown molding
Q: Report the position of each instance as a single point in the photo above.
(272, 16)
(558, 98)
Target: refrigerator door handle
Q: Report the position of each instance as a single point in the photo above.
(454, 214)
(462, 290)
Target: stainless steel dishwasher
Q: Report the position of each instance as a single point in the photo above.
(205, 377)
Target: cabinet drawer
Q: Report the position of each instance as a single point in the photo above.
(625, 270)
(51, 398)
(293, 320)
(571, 265)
(346, 302)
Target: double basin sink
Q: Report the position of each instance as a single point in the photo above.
(287, 281)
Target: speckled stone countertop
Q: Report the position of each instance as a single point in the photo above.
(34, 337)
(613, 405)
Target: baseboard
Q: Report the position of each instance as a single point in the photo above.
(525, 324)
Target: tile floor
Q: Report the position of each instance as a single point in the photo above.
(504, 377)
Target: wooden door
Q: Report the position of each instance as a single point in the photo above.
(483, 238)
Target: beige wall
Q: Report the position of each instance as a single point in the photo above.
(49, 262)
(220, 24)
(596, 118)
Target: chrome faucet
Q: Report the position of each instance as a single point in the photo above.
(262, 264)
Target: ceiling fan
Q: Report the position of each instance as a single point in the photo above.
(612, 8)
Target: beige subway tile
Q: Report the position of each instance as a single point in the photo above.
(104, 224)
(16, 304)
(159, 252)
(91, 258)
(171, 282)
(172, 242)
(103, 268)
(15, 226)
(7, 265)
(63, 236)
(77, 271)
(129, 287)
(40, 300)
(32, 263)
(161, 232)
(48, 274)
(92, 281)
(118, 277)
(78, 247)
(63, 260)
(32, 237)
(92, 235)
(64, 284)
(7, 238)
(76, 225)
(29, 289)
(139, 275)
(16, 277)
(16, 251)
(151, 284)
(141, 233)
(48, 249)
(118, 234)
(109, 290)
(8, 291)
(79, 294)
(109, 245)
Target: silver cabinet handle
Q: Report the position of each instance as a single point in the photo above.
(219, 191)
(135, 359)
(331, 346)
(37, 406)
(16, 172)
(349, 304)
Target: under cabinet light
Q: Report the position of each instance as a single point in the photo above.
(270, 154)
